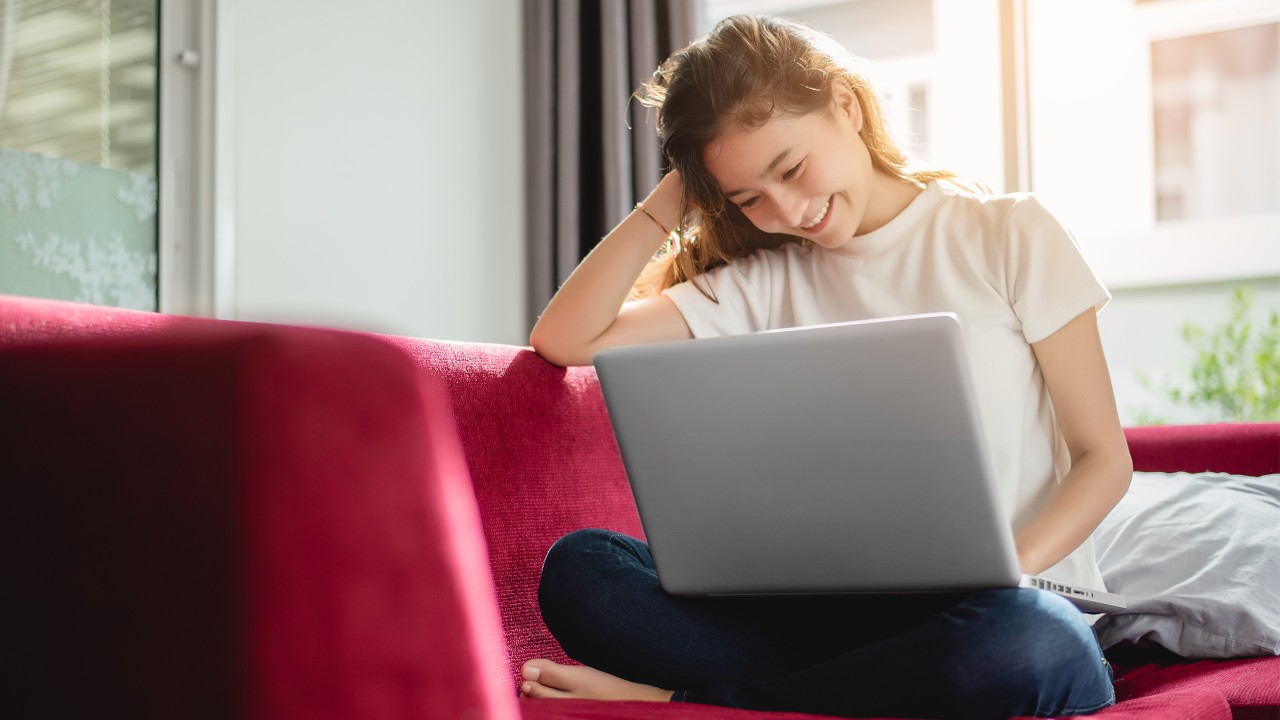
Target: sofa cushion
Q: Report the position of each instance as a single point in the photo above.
(533, 709)
(1186, 705)
(1250, 685)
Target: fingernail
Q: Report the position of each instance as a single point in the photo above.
(531, 673)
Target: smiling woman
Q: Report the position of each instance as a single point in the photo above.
(795, 206)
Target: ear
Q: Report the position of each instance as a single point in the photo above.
(845, 104)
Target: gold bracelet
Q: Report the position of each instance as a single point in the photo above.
(665, 232)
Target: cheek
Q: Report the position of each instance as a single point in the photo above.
(821, 181)
(760, 218)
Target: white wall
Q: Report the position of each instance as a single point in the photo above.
(379, 166)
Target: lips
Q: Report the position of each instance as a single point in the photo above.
(819, 221)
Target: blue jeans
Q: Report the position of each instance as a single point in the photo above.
(989, 654)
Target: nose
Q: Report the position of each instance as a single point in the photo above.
(791, 207)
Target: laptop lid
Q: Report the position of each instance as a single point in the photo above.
(836, 458)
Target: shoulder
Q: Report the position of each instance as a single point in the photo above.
(1004, 226)
(1006, 210)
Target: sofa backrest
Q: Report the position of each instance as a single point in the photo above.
(1235, 448)
(543, 460)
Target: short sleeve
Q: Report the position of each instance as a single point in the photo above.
(1047, 278)
(740, 304)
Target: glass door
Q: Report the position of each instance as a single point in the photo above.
(78, 150)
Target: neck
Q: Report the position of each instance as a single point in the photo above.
(890, 195)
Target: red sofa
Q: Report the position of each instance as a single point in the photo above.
(224, 519)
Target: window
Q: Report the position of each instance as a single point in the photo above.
(108, 145)
(1160, 141)
(78, 151)
(1217, 114)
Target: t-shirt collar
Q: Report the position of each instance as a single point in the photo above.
(887, 235)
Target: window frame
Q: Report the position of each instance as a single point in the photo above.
(195, 170)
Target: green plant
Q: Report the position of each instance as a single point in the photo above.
(1236, 372)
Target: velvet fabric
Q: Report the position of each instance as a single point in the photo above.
(239, 521)
(227, 519)
(1235, 448)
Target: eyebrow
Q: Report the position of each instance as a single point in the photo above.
(767, 170)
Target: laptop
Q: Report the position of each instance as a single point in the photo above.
(842, 458)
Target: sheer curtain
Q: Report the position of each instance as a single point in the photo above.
(591, 152)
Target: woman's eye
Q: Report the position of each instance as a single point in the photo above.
(792, 172)
(749, 203)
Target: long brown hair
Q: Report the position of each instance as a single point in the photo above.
(746, 71)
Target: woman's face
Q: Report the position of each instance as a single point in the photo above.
(809, 176)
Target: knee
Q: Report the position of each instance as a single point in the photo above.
(577, 562)
(1042, 655)
(564, 559)
(572, 554)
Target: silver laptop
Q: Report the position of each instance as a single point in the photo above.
(844, 458)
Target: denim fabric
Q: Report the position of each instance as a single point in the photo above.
(989, 654)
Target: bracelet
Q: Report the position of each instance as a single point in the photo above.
(665, 232)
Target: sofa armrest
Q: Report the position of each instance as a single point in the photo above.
(233, 520)
(1236, 448)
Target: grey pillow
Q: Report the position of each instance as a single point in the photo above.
(1198, 559)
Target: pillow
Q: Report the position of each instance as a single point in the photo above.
(1198, 559)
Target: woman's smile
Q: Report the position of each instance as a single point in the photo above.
(818, 222)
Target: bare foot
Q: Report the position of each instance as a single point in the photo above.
(545, 679)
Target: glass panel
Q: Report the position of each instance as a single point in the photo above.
(78, 150)
(1217, 123)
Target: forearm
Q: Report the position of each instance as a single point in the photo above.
(1074, 510)
(589, 301)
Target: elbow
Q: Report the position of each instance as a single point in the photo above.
(558, 349)
(1123, 459)
(1126, 469)
(1121, 464)
(544, 349)
(550, 350)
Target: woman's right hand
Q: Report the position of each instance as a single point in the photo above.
(588, 313)
(664, 199)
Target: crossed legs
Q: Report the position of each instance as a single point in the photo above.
(991, 654)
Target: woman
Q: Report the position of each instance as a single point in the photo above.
(794, 206)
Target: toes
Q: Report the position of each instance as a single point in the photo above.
(542, 671)
(535, 669)
(537, 690)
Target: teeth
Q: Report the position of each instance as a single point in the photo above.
(821, 215)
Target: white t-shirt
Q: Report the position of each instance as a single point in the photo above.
(1003, 264)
